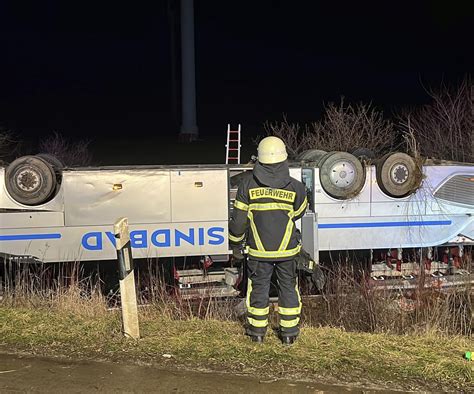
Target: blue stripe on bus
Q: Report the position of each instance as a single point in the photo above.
(29, 237)
(386, 224)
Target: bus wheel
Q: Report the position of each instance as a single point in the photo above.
(341, 174)
(398, 175)
(52, 160)
(30, 180)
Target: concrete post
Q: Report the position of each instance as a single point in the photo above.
(128, 293)
(189, 129)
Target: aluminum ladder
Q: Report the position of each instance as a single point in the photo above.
(232, 148)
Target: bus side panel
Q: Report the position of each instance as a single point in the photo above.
(386, 232)
(56, 244)
(199, 195)
(101, 197)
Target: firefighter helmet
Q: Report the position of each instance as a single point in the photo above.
(271, 150)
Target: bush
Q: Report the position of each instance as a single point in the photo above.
(342, 128)
(6, 142)
(71, 154)
(444, 129)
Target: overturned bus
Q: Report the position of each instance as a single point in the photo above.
(407, 216)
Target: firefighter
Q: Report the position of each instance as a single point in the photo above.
(267, 205)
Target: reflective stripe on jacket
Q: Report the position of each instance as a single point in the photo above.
(267, 215)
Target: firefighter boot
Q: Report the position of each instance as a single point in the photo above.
(257, 338)
(285, 340)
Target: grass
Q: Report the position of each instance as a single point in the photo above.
(352, 335)
(322, 353)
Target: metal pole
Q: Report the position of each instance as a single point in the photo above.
(309, 229)
(128, 293)
(189, 129)
(472, 129)
(173, 22)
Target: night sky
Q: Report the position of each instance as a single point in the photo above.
(95, 69)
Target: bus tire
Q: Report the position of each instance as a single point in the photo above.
(57, 165)
(341, 174)
(52, 160)
(398, 175)
(30, 180)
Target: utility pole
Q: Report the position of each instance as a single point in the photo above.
(189, 130)
(173, 9)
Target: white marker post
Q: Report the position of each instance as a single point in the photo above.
(128, 293)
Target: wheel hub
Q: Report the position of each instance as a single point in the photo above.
(28, 180)
(399, 173)
(342, 174)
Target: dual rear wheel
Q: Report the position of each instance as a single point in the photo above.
(342, 174)
(398, 175)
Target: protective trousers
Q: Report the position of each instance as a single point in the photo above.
(289, 300)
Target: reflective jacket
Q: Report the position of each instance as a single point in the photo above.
(267, 204)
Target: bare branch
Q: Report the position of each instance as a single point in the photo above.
(444, 128)
(343, 127)
(6, 143)
(70, 153)
(291, 133)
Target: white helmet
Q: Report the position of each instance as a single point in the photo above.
(271, 150)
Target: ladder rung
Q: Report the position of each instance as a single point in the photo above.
(233, 140)
(233, 149)
(234, 131)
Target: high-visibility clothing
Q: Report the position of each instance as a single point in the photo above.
(267, 204)
(289, 301)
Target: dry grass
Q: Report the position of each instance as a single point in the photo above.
(322, 353)
(61, 287)
(347, 302)
(353, 305)
(65, 314)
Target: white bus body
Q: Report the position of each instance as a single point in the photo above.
(184, 211)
